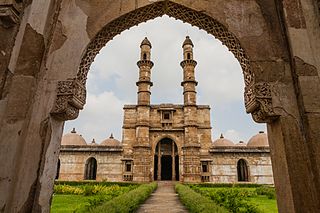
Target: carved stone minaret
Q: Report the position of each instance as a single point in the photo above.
(189, 82)
(145, 65)
(191, 148)
(142, 148)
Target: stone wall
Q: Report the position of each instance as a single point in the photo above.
(224, 167)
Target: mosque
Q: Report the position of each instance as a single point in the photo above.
(166, 141)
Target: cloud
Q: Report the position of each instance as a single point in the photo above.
(112, 78)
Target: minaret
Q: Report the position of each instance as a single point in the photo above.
(142, 148)
(145, 65)
(189, 82)
(191, 148)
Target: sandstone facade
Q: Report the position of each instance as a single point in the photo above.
(47, 47)
(166, 141)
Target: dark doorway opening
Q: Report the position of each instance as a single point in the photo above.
(166, 167)
(58, 170)
(155, 174)
(91, 169)
(242, 169)
(166, 160)
(177, 167)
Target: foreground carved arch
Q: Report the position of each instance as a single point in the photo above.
(72, 93)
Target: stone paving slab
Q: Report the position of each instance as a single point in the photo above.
(163, 200)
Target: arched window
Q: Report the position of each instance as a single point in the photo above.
(144, 56)
(58, 170)
(188, 56)
(242, 169)
(91, 169)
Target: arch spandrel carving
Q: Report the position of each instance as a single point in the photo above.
(260, 108)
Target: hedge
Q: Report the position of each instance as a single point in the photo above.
(128, 202)
(93, 182)
(195, 202)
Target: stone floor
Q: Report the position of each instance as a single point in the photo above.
(163, 200)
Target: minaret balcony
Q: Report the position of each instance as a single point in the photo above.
(142, 63)
(189, 81)
(188, 62)
(144, 82)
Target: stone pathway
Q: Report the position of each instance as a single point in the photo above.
(163, 200)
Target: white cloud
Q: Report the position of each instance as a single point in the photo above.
(111, 80)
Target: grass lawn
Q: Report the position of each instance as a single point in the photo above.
(68, 203)
(265, 204)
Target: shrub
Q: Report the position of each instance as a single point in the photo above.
(268, 191)
(127, 202)
(235, 200)
(196, 202)
(66, 189)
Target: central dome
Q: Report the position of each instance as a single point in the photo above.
(73, 139)
(260, 139)
(110, 142)
(222, 142)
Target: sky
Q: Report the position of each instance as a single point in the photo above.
(113, 74)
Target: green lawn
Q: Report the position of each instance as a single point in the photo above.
(68, 203)
(265, 204)
(234, 198)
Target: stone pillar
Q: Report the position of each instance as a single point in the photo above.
(191, 148)
(159, 161)
(173, 163)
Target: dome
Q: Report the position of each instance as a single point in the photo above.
(93, 143)
(187, 41)
(110, 142)
(241, 143)
(73, 139)
(260, 139)
(146, 42)
(222, 142)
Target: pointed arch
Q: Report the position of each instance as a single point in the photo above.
(242, 170)
(90, 169)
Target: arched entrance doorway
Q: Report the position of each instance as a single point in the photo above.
(91, 169)
(242, 170)
(166, 160)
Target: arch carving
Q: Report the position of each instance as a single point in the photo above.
(257, 96)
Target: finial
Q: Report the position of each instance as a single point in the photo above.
(221, 136)
(261, 132)
(187, 41)
(93, 141)
(145, 41)
(73, 130)
(111, 136)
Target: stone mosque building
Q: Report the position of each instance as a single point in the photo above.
(166, 141)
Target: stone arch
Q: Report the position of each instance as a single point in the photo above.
(166, 160)
(72, 93)
(91, 167)
(243, 170)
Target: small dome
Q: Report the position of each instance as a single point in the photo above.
(145, 41)
(260, 139)
(110, 142)
(73, 139)
(187, 41)
(93, 142)
(222, 142)
(241, 143)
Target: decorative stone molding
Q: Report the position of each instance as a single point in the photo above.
(9, 12)
(71, 97)
(258, 102)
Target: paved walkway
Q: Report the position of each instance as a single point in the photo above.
(163, 200)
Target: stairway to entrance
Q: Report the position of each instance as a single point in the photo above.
(163, 200)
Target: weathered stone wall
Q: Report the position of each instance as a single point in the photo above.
(224, 167)
(72, 165)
